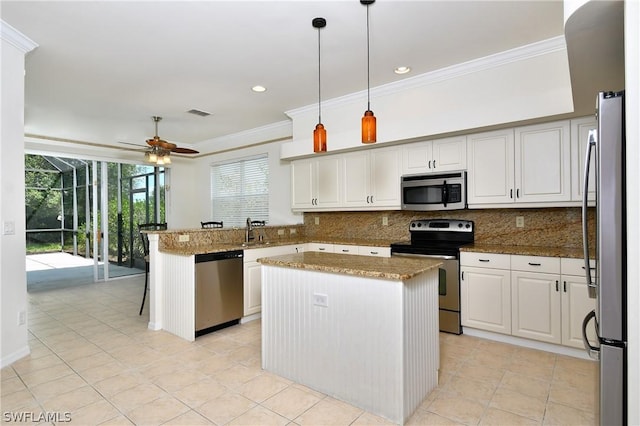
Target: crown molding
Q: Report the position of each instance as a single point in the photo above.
(273, 131)
(16, 38)
(521, 53)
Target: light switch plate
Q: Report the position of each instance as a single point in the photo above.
(519, 221)
(183, 238)
(9, 227)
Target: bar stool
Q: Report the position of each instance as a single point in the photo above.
(145, 250)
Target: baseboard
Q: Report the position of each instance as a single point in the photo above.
(11, 358)
(154, 326)
(251, 317)
(532, 344)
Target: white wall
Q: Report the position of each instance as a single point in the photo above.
(484, 92)
(632, 76)
(13, 278)
(279, 184)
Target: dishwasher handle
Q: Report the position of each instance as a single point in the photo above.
(221, 255)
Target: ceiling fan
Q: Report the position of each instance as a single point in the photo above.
(160, 150)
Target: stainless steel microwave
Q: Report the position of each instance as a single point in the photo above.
(437, 191)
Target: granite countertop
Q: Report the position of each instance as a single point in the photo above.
(193, 249)
(190, 249)
(569, 252)
(388, 268)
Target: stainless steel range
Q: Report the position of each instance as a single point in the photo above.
(441, 239)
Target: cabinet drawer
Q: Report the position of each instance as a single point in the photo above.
(548, 265)
(345, 249)
(374, 251)
(486, 260)
(575, 266)
(321, 247)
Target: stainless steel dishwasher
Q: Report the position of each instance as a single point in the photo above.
(219, 290)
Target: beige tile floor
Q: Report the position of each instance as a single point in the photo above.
(92, 356)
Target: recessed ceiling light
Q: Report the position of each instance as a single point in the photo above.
(259, 89)
(402, 70)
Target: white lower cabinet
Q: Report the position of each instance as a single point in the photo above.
(485, 292)
(538, 298)
(535, 306)
(252, 278)
(576, 303)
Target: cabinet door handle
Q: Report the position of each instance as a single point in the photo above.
(373, 252)
(368, 196)
(462, 276)
(345, 250)
(434, 164)
(557, 289)
(518, 193)
(321, 249)
(429, 163)
(511, 193)
(564, 286)
(534, 264)
(483, 260)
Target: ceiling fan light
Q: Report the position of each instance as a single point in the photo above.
(160, 161)
(152, 157)
(167, 159)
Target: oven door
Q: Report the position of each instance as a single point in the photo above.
(448, 289)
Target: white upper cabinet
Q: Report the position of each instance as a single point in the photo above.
(440, 155)
(528, 164)
(490, 171)
(372, 178)
(579, 140)
(385, 177)
(543, 162)
(366, 179)
(316, 183)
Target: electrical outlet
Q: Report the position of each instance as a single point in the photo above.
(317, 220)
(280, 231)
(9, 227)
(183, 238)
(385, 220)
(320, 299)
(22, 318)
(519, 221)
(292, 231)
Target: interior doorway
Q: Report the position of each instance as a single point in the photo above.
(82, 218)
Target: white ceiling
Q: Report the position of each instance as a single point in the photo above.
(103, 68)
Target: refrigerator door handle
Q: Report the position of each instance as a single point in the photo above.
(591, 285)
(593, 351)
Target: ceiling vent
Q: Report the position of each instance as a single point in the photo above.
(199, 112)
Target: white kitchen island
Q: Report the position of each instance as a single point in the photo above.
(363, 330)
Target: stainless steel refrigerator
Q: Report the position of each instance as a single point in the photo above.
(608, 283)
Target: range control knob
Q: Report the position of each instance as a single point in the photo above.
(459, 225)
(468, 225)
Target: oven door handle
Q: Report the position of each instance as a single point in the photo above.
(428, 256)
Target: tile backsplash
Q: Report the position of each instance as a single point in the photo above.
(548, 227)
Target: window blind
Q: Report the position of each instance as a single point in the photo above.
(240, 189)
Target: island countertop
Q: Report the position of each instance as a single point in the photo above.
(388, 268)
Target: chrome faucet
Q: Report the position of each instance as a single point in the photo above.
(248, 232)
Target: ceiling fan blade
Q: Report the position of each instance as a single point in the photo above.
(179, 150)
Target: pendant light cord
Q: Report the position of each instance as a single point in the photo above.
(319, 100)
(368, 65)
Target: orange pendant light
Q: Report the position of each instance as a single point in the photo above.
(320, 133)
(369, 120)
